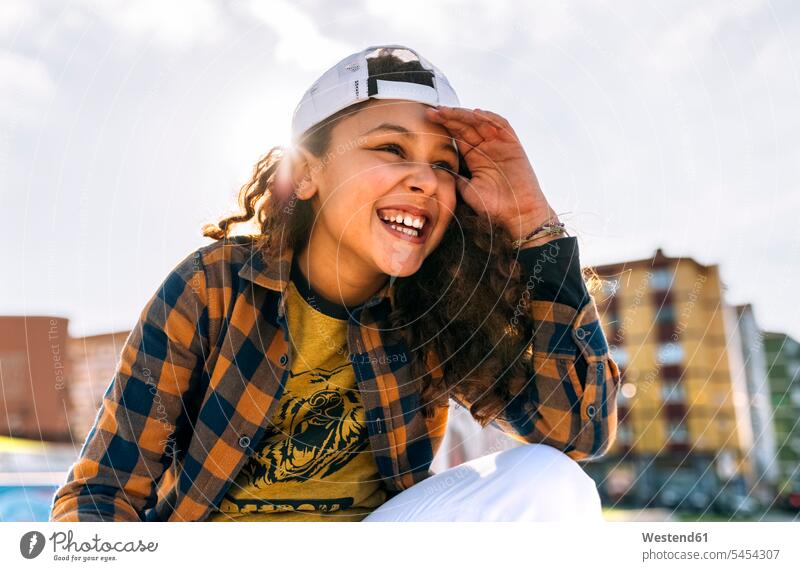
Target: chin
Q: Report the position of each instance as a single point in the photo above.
(400, 270)
(398, 257)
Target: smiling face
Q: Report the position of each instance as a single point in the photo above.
(384, 194)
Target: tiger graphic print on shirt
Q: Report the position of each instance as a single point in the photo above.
(314, 463)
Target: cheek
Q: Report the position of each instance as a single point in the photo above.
(348, 207)
(372, 182)
(447, 206)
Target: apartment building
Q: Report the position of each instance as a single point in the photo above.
(685, 431)
(94, 361)
(783, 366)
(34, 373)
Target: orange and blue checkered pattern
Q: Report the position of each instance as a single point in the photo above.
(202, 370)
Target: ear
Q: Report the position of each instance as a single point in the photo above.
(304, 168)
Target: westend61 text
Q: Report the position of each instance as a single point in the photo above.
(675, 537)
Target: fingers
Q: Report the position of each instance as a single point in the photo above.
(463, 131)
(497, 120)
(477, 117)
(468, 135)
(460, 113)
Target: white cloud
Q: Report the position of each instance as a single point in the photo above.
(778, 60)
(478, 25)
(299, 40)
(549, 21)
(15, 14)
(173, 24)
(682, 38)
(25, 84)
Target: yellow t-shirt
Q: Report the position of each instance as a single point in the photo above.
(315, 464)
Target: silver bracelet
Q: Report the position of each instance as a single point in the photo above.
(544, 230)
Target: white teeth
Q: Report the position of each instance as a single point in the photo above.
(406, 219)
(404, 230)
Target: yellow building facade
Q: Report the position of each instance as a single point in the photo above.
(684, 426)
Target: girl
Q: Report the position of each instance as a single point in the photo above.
(406, 255)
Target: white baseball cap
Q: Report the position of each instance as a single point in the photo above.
(349, 82)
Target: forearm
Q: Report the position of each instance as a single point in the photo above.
(576, 378)
(552, 272)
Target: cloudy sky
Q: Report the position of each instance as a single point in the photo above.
(124, 125)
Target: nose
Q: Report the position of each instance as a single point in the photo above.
(423, 178)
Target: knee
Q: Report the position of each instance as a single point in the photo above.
(555, 483)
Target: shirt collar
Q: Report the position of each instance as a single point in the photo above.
(273, 270)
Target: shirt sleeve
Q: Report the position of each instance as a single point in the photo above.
(133, 439)
(570, 400)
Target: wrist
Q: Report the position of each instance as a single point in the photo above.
(524, 226)
(546, 231)
(540, 241)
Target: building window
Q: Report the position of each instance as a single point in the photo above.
(665, 314)
(673, 392)
(796, 396)
(670, 354)
(676, 432)
(16, 422)
(620, 355)
(661, 279)
(625, 434)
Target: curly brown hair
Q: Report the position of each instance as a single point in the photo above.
(461, 301)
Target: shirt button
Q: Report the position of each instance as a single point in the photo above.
(244, 441)
(284, 359)
(580, 333)
(590, 410)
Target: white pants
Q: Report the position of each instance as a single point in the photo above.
(532, 482)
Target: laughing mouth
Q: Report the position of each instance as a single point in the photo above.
(404, 223)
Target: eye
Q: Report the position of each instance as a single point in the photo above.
(441, 164)
(390, 148)
(448, 167)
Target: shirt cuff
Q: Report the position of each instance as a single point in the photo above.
(552, 272)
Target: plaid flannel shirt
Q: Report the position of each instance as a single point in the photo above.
(201, 373)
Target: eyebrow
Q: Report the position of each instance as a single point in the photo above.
(406, 133)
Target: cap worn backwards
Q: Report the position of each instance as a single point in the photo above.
(349, 82)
